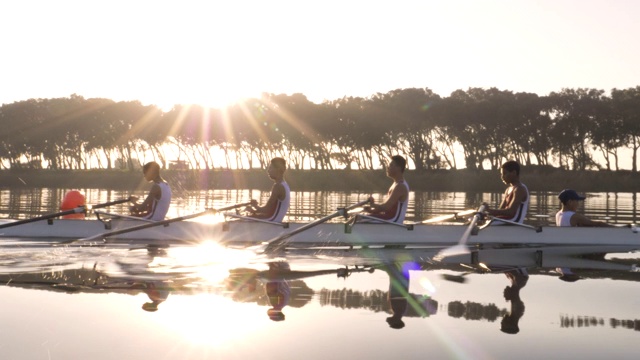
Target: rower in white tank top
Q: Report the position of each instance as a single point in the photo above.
(156, 205)
(399, 210)
(282, 205)
(521, 213)
(515, 203)
(160, 207)
(278, 203)
(394, 208)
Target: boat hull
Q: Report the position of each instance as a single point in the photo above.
(327, 234)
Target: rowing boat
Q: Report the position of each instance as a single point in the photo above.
(530, 257)
(327, 234)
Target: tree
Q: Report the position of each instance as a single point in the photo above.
(575, 113)
(626, 110)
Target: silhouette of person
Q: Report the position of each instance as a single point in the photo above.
(398, 293)
(277, 289)
(157, 293)
(518, 278)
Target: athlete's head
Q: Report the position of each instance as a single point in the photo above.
(399, 161)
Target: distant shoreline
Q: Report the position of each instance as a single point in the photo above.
(536, 178)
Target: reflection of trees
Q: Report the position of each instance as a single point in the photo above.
(475, 311)
(376, 301)
(627, 324)
(592, 321)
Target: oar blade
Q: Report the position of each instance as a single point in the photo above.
(454, 278)
(452, 251)
(461, 247)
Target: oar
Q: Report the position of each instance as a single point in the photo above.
(154, 224)
(76, 210)
(340, 212)
(482, 269)
(461, 248)
(79, 209)
(442, 218)
(536, 228)
(121, 216)
(107, 204)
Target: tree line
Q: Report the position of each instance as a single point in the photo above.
(566, 129)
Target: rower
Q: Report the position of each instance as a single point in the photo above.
(567, 216)
(278, 203)
(394, 208)
(515, 202)
(156, 205)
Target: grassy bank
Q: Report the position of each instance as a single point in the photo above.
(336, 180)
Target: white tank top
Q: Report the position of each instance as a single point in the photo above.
(521, 213)
(401, 211)
(160, 207)
(283, 205)
(563, 218)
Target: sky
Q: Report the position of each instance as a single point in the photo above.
(215, 52)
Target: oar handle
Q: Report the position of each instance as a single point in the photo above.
(230, 207)
(345, 210)
(107, 204)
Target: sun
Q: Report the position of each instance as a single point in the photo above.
(210, 98)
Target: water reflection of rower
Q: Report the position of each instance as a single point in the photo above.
(277, 285)
(400, 300)
(398, 294)
(158, 292)
(277, 289)
(518, 278)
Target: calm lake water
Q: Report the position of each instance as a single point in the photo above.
(210, 302)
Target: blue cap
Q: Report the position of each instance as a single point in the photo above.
(568, 194)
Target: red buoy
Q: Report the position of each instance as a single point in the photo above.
(72, 200)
